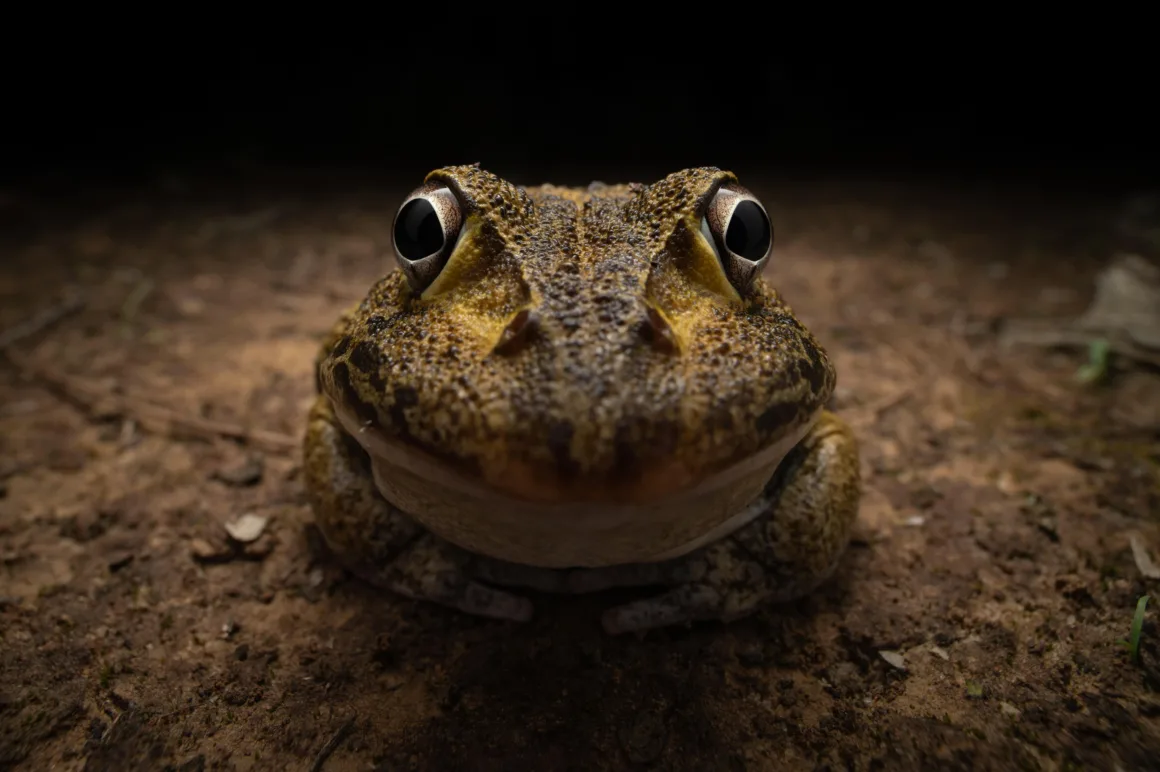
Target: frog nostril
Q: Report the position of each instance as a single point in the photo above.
(518, 333)
(655, 329)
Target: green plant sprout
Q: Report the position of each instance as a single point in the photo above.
(1132, 644)
(1096, 368)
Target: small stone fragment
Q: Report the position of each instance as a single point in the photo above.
(202, 549)
(247, 528)
(213, 551)
(894, 659)
(128, 435)
(1143, 559)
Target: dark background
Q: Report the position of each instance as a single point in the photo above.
(544, 98)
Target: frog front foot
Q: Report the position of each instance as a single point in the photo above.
(377, 541)
(780, 556)
(433, 570)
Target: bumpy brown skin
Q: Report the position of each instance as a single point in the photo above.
(584, 345)
(587, 404)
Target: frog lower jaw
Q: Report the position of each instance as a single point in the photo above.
(569, 533)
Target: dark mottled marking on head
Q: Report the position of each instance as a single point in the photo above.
(814, 370)
(376, 324)
(350, 397)
(365, 357)
(404, 397)
(560, 443)
(776, 416)
(341, 347)
(632, 453)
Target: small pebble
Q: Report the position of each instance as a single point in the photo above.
(247, 528)
(202, 549)
(894, 659)
(1143, 560)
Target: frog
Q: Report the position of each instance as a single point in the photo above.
(563, 390)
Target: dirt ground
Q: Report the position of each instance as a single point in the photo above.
(991, 563)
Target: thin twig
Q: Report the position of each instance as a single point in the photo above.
(44, 319)
(1042, 334)
(332, 745)
(94, 399)
(159, 418)
(1125, 312)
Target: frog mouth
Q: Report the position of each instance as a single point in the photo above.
(527, 520)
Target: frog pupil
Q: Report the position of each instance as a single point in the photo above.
(418, 232)
(748, 234)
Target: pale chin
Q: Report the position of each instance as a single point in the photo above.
(564, 533)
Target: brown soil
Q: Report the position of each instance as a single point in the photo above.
(992, 551)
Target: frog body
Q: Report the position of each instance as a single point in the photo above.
(570, 389)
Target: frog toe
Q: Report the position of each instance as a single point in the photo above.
(723, 584)
(432, 571)
(684, 604)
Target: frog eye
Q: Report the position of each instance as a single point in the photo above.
(738, 227)
(427, 227)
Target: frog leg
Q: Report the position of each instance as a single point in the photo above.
(782, 555)
(377, 541)
(434, 570)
